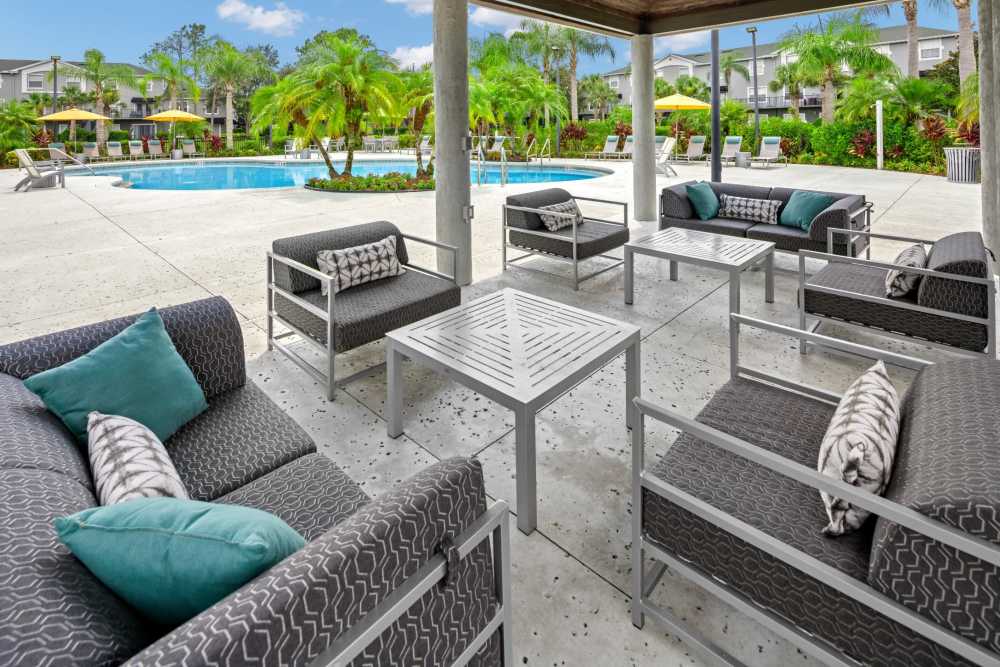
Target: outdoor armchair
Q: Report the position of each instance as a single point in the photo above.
(335, 323)
(524, 231)
(38, 177)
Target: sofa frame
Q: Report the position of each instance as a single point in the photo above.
(327, 377)
(644, 583)
(506, 245)
(990, 321)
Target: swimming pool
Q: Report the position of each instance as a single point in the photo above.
(232, 175)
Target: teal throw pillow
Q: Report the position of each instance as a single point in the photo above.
(137, 374)
(802, 207)
(170, 558)
(703, 200)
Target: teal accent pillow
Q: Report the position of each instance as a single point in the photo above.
(137, 374)
(703, 200)
(172, 559)
(802, 207)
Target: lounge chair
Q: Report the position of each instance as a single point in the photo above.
(135, 150)
(340, 144)
(91, 152)
(291, 148)
(38, 178)
(730, 147)
(498, 144)
(115, 150)
(664, 157)
(155, 148)
(770, 151)
(628, 148)
(390, 143)
(189, 148)
(372, 144)
(610, 148)
(695, 149)
(424, 147)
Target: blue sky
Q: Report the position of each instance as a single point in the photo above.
(402, 27)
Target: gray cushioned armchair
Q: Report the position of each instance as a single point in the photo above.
(356, 316)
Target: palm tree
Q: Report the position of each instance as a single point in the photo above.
(73, 97)
(39, 101)
(789, 78)
(418, 94)
(494, 51)
(17, 123)
(580, 43)
(730, 62)
(539, 41)
(102, 77)
(174, 75)
(282, 104)
(662, 88)
(823, 52)
(966, 41)
(600, 96)
(968, 100)
(692, 87)
(912, 30)
(231, 69)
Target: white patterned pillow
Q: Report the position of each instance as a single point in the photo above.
(751, 210)
(859, 445)
(128, 461)
(361, 264)
(900, 283)
(556, 222)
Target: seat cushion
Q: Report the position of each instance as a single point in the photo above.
(870, 281)
(242, 436)
(311, 494)
(726, 226)
(784, 237)
(593, 238)
(792, 426)
(367, 312)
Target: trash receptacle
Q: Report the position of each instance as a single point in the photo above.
(743, 160)
(963, 164)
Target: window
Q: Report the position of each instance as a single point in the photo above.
(931, 49)
(760, 68)
(791, 57)
(613, 83)
(149, 89)
(36, 81)
(884, 49)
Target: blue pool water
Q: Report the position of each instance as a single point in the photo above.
(212, 175)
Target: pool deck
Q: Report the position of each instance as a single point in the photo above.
(93, 251)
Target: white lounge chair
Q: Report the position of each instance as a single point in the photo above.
(38, 178)
(610, 148)
(730, 147)
(135, 150)
(115, 150)
(155, 148)
(189, 148)
(390, 143)
(695, 149)
(91, 152)
(340, 144)
(424, 147)
(371, 143)
(628, 148)
(291, 148)
(665, 156)
(770, 151)
(498, 144)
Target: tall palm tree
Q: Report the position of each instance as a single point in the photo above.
(495, 50)
(600, 96)
(789, 78)
(692, 87)
(730, 62)
(73, 97)
(291, 101)
(104, 76)
(175, 78)
(966, 41)
(231, 69)
(539, 42)
(912, 29)
(418, 94)
(39, 102)
(580, 43)
(824, 50)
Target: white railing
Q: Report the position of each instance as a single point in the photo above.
(72, 159)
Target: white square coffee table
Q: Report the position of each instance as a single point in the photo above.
(520, 350)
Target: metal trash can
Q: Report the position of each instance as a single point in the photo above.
(743, 160)
(963, 164)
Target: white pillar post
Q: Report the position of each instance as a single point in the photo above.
(989, 105)
(879, 145)
(643, 128)
(451, 135)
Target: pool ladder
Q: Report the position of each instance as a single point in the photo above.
(481, 165)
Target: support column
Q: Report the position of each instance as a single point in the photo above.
(716, 119)
(643, 128)
(452, 196)
(989, 105)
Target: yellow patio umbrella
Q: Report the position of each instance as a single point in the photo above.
(71, 115)
(174, 116)
(678, 102)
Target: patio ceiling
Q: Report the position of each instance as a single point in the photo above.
(624, 18)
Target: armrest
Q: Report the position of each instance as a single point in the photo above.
(623, 204)
(841, 259)
(840, 214)
(317, 597)
(440, 246)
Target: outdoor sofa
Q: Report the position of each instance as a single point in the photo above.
(424, 546)
(848, 212)
(524, 231)
(332, 323)
(734, 506)
(953, 305)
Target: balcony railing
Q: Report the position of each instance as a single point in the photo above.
(780, 101)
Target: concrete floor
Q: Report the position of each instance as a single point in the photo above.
(92, 251)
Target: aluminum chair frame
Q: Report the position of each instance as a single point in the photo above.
(529, 252)
(53, 172)
(688, 156)
(644, 583)
(327, 377)
(768, 160)
(604, 152)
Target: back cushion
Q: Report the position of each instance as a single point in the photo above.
(303, 249)
(784, 194)
(737, 190)
(947, 466)
(962, 254)
(523, 220)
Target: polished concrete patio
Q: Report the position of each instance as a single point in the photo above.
(92, 251)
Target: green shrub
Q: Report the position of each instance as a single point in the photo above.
(118, 135)
(391, 182)
(796, 135)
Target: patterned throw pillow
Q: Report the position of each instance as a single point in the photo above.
(361, 264)
(751, 210)
(556, 222)
(900, 283)
(859, 445)
(128, 461)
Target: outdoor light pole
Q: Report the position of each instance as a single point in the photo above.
(756, 100)
(555, 51)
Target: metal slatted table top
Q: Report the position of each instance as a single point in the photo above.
(730, 252)
(516, 345)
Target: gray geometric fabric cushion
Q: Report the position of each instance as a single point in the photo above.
(128, 461)
(753, 210)
(360, 264)
(556, 222)
(962, 254)
(859, 445)
(898, 282)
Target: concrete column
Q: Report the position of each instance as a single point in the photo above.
(643, 128)
(716, 106)
(989, 106)
(451, 131)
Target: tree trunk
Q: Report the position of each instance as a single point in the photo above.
(72, 131)
(573, 101)
(331, 170)
(829, 96)
(912, 45)
(229, 117)
(419, 116)
(795, 101)
(966, 47)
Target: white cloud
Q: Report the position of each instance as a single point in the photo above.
(495, 19)
(413, 56)
(681, 41)
(280, 21)
(415, 6)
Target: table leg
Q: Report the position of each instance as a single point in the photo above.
(734, 291)
(394, 390)
(633, 380)
(524, 471)
(673, 270)
(769, 278)
(629, 275)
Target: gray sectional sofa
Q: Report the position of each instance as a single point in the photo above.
(329, 598)
(847, 212)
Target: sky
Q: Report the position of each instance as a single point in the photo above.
(401, 27)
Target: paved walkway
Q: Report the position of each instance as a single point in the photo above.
(92, 251)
